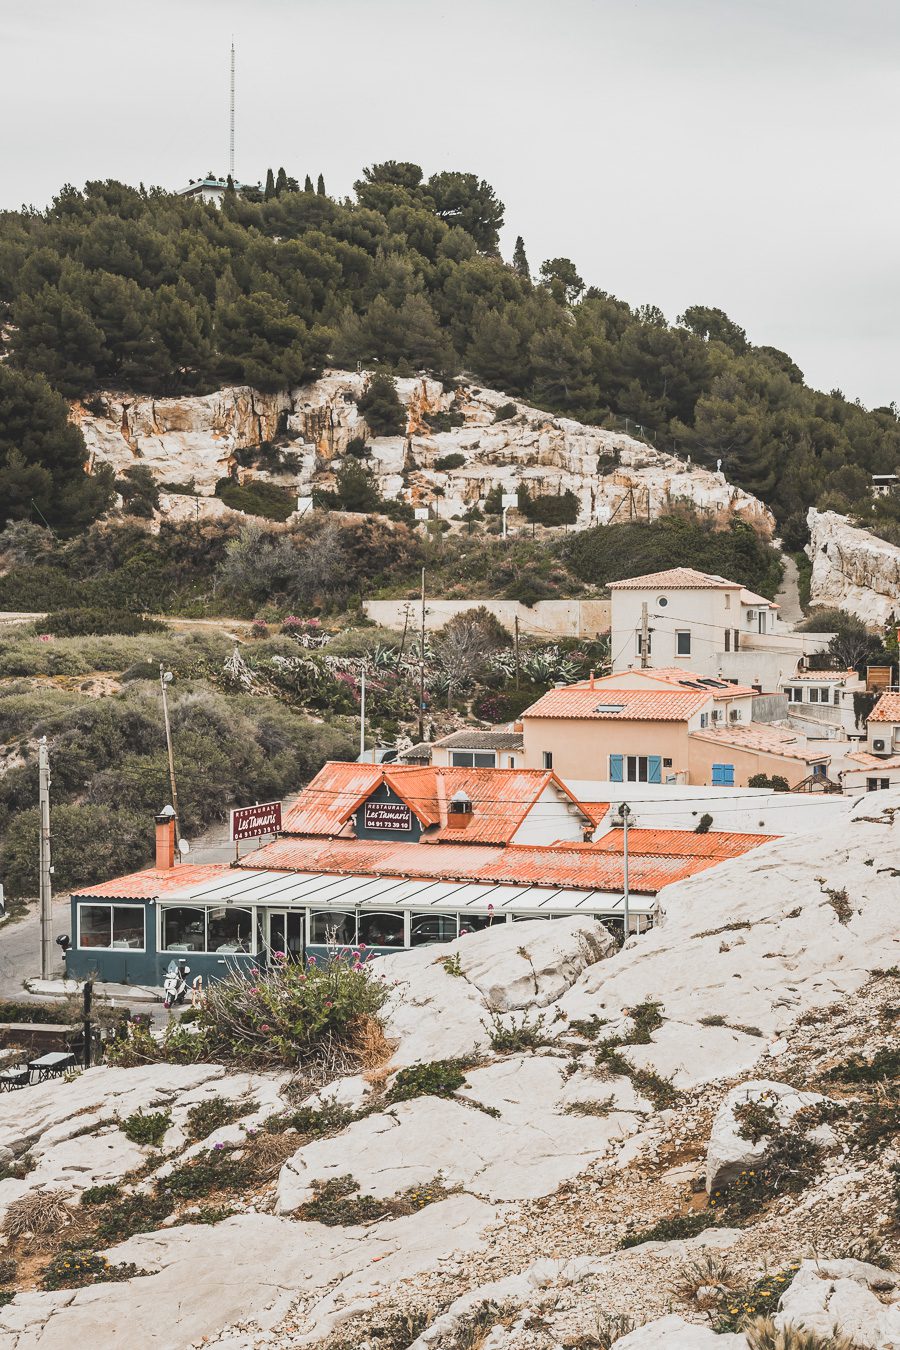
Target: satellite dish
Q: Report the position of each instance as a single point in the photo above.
(183, 846)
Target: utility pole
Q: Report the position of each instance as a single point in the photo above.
(645, 637)
(362, 715)
(422, 666)
(45, 868)
(625, 811)
(165, 679)
(406, 613)
(231, 120)
(516, 640)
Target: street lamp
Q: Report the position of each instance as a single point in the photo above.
(165, 679)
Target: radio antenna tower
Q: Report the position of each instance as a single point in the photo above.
(231, 120)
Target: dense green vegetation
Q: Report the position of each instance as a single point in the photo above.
(141, 289)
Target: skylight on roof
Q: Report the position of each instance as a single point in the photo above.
(609, 708)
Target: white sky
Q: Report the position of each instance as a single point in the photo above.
(739, 153)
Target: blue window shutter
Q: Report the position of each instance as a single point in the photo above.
(615, 768)
(729, 774)
(654, 768)
(723, 775)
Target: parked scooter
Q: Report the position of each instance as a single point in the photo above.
(175, 983)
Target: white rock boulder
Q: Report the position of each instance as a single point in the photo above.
(729, 1152)
(852, 569)
(673, 1333)
(860, 1300)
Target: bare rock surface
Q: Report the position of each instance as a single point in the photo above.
(852, 569)
(198, 440)
(862, 1301)
(729, 1150)
(675, 1333)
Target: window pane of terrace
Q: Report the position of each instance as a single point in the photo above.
(94, 925)
(381, 929)
(335, 928)
(183, 929)
(230, 930)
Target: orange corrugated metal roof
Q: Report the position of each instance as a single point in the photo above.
(148, 884)
(643, 705)
(568, 868)
(887, 709)
(717, 844)
(501, 798)
(767, 739)
(676, 579)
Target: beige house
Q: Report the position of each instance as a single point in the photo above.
(662, 726)
(877, 766)
(704, 621)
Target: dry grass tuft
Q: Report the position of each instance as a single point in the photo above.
(41, 1215)
(762, 1334)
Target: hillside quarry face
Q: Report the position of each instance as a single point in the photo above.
(852, 569)
(613, 476)
(762, 974)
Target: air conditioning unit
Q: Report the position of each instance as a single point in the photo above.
(878, 745)
(751, 615)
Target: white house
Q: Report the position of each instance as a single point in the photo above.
(877, 765)
(714, 626)
(209, 189)
(822, 704)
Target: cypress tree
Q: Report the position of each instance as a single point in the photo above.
(519, 260)
(280, 183)
(308, 184)
(270, 185)
(320, 186)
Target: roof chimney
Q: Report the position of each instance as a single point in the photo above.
(592, 679)
(459, 811)
(165, 840)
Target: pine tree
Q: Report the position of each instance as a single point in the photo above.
(270, 185)
(520, 261)
(281, 182)
(320, 186)
(308, 184)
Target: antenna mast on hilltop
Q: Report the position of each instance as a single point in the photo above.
(231, 120)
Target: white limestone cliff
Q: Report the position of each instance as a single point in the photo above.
(613, 476)
(853, 569)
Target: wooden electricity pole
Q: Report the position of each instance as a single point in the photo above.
(516, 640)
(645, 637)
(422, 666)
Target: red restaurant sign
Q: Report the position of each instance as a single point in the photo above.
(250, 822)
(395, 816)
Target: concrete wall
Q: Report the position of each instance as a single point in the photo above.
(703, 754)
(769, 708)
(546, 618)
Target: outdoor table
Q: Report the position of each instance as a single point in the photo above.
(49, 1066)
(14, 1078)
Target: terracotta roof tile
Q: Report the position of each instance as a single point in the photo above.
(887, 709)
(761, 736)
(716, 844)
(867, 761)
(677, 579)
(675, 675)
(623, 705)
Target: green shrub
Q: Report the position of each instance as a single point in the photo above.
(146, 1128)
(86, 622)
(216, 1170)
(314, 1122)
(73, 1270)
(337, 1202)
(440, 1078)
(257, 498)
(885, 1063)
(775, 783)
(214, 1112)
(673, 1229)
(505, 412)
(127, 1215)
(514, 1037)
(759, 1299)
(381, 407)
(453, 461)
(100, 1195)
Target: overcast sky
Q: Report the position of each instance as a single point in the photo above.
(739, 153)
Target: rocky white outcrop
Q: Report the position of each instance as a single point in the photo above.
(675, 1333)
(729, 1152)
(857, 1299)
(613, 476)
(853, 569)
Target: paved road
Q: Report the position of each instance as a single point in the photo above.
(20, 949)
(788, 597)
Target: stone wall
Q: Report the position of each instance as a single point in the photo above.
(852, 569)
(613, 477)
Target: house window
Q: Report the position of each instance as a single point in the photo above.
(877, 784)
(762, 620)
(723, 775)
(635, 768)
(473, 759)
(837, 697)
(333, 928)
(728, 639)
(704, 720)
(795, 694)
(224, 928)
(547, 759)
(727, 600)
(381, 928)
(111, 926)
(683, 644)
(813, 693)
(737, 639)
(640, 646)
(818, 770)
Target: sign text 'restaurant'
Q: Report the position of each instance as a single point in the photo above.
(387, 816)
(250, 822)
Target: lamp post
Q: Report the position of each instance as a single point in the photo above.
(165, 679)
(625, 812)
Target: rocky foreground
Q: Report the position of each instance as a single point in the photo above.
(569, 1146)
